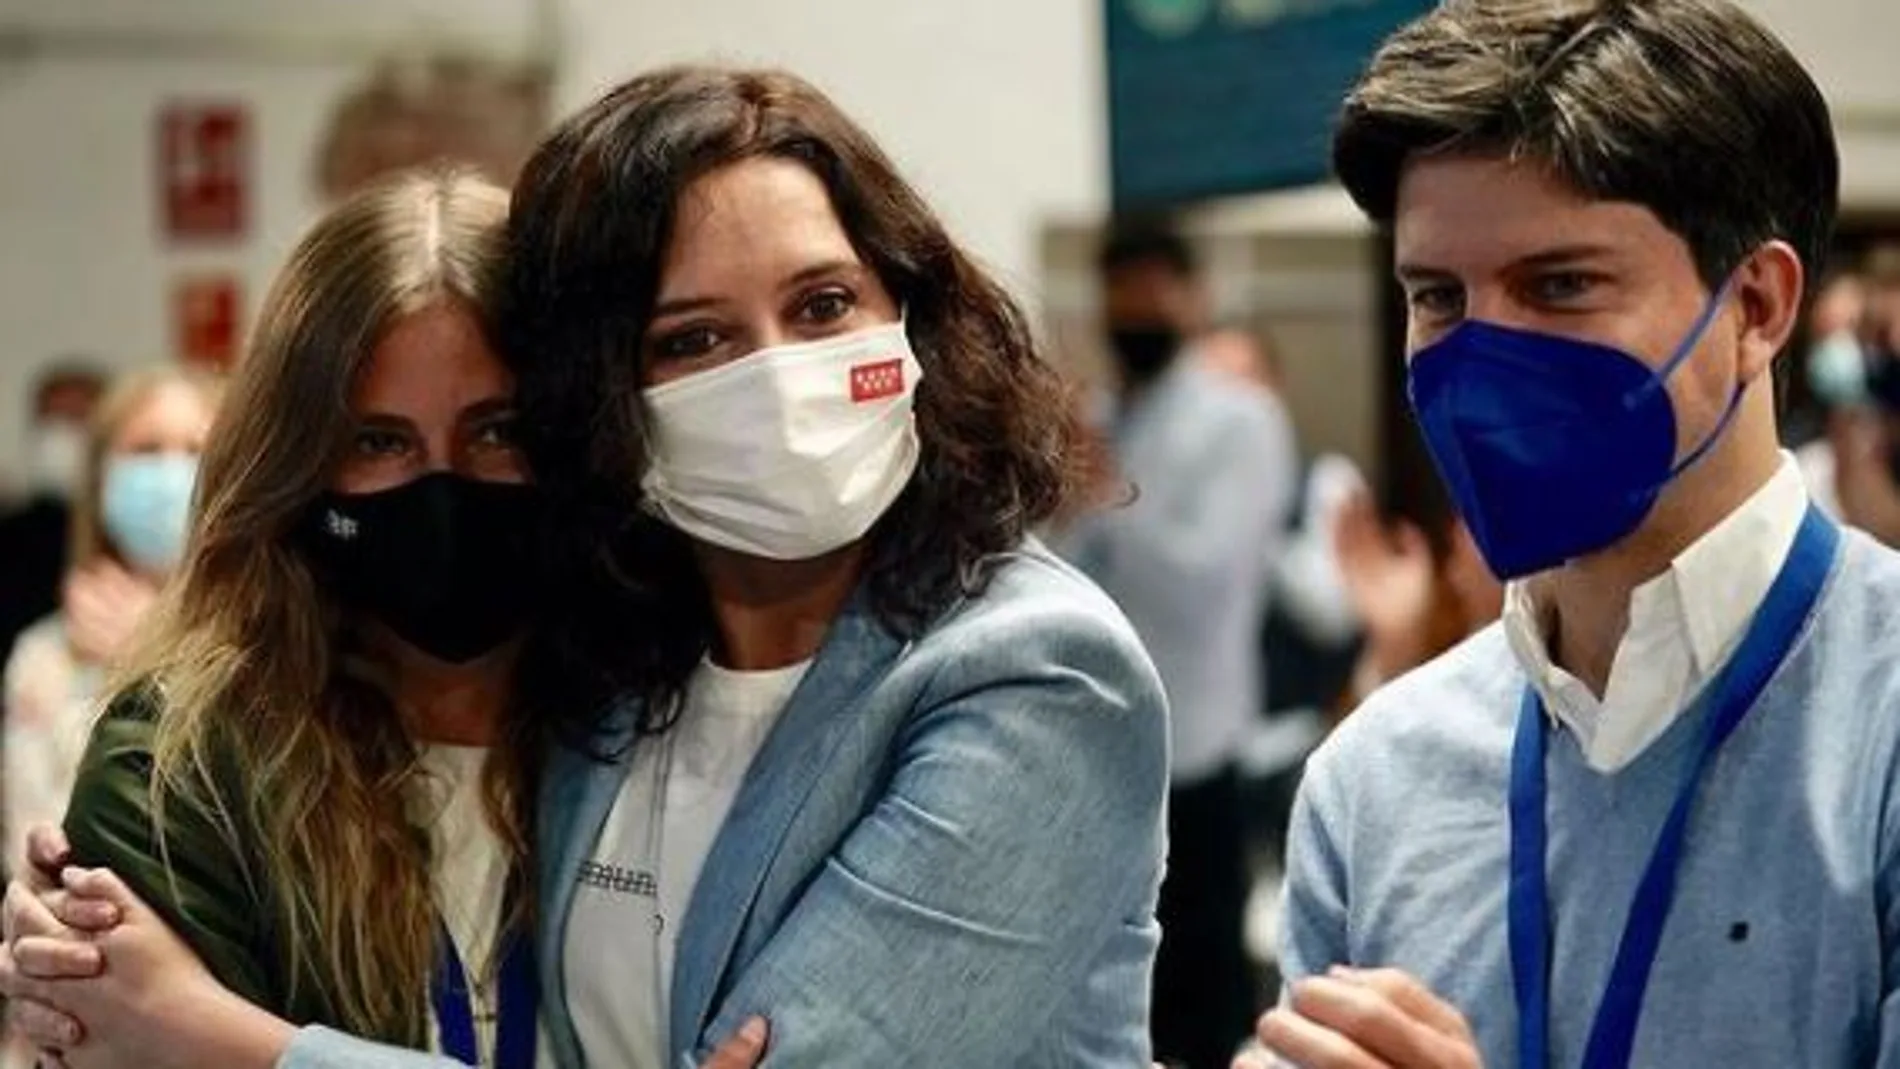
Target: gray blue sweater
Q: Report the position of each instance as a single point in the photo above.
(1783, 946)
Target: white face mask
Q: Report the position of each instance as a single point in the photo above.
(789, 452)
(56, 453)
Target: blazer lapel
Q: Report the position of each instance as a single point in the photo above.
(578, 791)
(856, 654)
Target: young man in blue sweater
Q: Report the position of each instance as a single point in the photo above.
(1650, 818)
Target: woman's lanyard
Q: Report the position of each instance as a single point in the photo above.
(517, 996)
(1728, 699)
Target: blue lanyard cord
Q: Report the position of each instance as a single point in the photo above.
(1727, 701)
(518, 995)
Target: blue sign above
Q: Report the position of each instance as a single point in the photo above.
(1215, 97)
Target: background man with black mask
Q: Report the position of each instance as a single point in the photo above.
(1203, 471)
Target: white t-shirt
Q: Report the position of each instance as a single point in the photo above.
(620, 936)
(470, 877)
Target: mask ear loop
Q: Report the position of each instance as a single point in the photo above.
(1714, 436)
(1661, 379)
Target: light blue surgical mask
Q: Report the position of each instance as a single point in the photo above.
(1837, 370)
(146, 508)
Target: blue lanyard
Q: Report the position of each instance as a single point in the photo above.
(516, 1031)
(1729, 697)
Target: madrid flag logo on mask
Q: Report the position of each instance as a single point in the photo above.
(875, 382)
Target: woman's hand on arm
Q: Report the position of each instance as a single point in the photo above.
(140, 997)
(42, 945)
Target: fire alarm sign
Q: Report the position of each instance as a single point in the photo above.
(204, 167)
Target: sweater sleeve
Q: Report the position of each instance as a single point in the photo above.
(1314, 935)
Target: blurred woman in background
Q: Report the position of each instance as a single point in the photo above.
(128, 535)
(1854, 470)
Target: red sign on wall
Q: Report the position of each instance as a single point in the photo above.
(207, 317)
(204, 164)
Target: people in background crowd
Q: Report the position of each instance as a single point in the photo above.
(1186, 554)
(139, 466)
(1314, 631)
(34, 533)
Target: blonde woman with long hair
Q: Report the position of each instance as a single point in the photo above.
(317, 769)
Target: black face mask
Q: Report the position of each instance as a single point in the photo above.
(1144, 352)
(444, 561)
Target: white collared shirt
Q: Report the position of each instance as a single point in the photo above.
(1683, 625)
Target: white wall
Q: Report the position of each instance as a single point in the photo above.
(492, 24)
(994, 108)
(1850, 46)
(84, 268)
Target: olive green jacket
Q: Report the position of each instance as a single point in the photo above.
(206, 878)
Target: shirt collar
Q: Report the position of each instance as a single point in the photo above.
(1724, 576)
(1696, 610)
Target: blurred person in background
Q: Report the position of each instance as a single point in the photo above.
(34, 533)
(1836, 367)
(1835, 364)
(1243, 356)
(1187, 558)
(1312, 632)
(128, 533)
(1858, 462)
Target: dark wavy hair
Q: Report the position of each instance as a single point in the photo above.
(592, 216)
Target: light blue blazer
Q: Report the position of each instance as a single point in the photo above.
(946, 853)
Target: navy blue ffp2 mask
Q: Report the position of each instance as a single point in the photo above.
(1552, 447)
